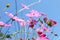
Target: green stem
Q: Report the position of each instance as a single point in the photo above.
(7, 31)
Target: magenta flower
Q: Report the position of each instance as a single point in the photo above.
(41, 35)
(32, 23)
(50, 22)
(24, 6)
(53, 22)
(33, 13)
(3, 24)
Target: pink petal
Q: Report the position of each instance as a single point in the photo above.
(29, 15)
(7, 24)
(19, 20)
(2, 23)
(43, 14)
(22, 23)
(33, 13)
(9, 14)
(42, 38)
(24, 6)
(38, 29)
(44, 27)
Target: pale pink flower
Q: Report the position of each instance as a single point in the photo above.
(9, 14)
(24, 6)
(44, 27)
(3, 24)
(12, 16)
(21, 21)
(43, 14)
(33, 13)
(42, 38)
(39, 30)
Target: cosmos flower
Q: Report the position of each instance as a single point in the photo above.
(50, 22)
(15, 18)
(24, 6)
(32, 23)
(33, 13)
(42, 38)
(22, 23)
(44, 27)
(40, 32)
(45, 19)
(11, 15)
(43, 14)
(4, 24)
(41, 35)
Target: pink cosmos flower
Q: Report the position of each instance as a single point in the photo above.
(43, 14)
(44, 27)
(42, 38)
(42, 35)
(11, 15)
(21, 21)
(33, 13)
(50, 22)
(32, 23)
(53, 22)
(45, 19)
(24, 6)
(3, 24)
(39, 30)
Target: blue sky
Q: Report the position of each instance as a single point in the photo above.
(50, 7)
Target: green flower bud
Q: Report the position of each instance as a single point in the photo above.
(7, 5)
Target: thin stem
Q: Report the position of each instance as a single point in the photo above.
(15, 28)
(0, 29)
(24, 33)
(16, 6)
(28, 34)
(7, 30)
(9, 20)
(3, 10)
(16, 12)
(24, 8)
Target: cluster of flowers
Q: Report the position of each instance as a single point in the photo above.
(32, 22)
